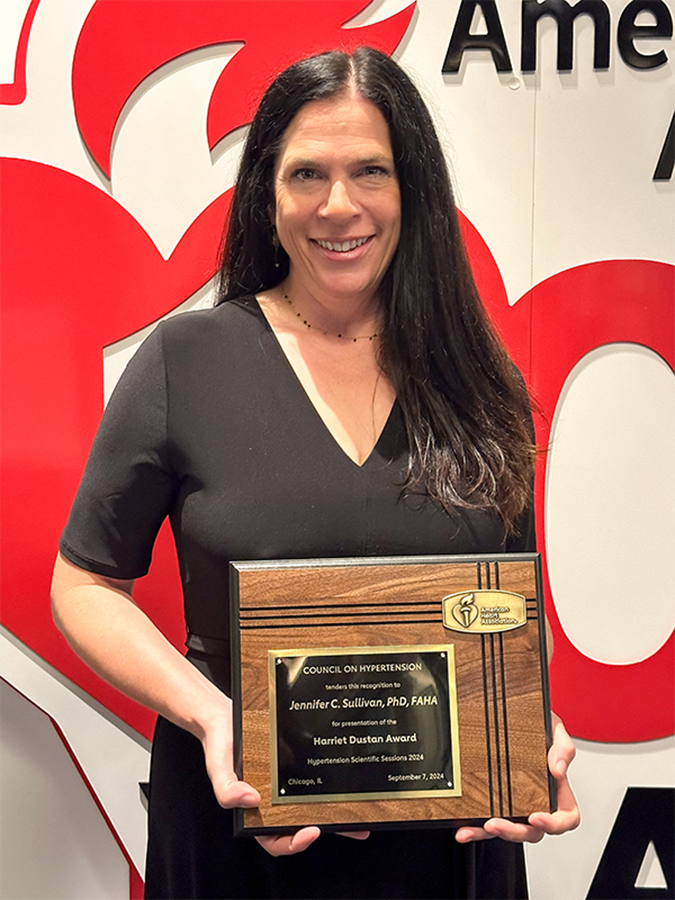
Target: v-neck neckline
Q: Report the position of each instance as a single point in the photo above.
(255, 305)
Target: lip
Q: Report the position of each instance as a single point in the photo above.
(353, 253)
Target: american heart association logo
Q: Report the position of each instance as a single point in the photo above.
(465, 612)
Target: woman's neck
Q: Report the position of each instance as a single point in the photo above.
(345, 317)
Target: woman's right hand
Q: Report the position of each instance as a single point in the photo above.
(231, 792)
(218, 754)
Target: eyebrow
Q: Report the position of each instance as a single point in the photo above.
(309, 163)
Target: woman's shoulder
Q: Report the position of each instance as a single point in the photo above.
(206, 343)
(195, 340)
(230, 324)
(236, 314)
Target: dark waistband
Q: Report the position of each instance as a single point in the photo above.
(210, 646)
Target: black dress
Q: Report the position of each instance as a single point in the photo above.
(210, 425)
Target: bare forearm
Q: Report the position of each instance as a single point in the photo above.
(116, 639)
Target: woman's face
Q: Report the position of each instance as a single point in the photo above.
(338, 204)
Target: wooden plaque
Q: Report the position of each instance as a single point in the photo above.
(390, 692)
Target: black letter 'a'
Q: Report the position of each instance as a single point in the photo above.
(646, 815)
(462, 39)
(666, 163)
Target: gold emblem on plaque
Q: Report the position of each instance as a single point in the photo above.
(484, 611)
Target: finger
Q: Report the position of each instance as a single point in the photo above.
(231, 792)
(355, 835)
(288, 844)
(466, 834)
(555, 823)
(562, 750)
(566, 817)
(516, 832)
(566, 800)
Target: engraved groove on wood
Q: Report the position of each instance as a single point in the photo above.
(505, 720)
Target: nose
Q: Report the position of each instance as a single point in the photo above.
(340, 202)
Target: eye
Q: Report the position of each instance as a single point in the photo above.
(304, 174)
(375, 171)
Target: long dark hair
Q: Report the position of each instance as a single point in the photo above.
(465, 407)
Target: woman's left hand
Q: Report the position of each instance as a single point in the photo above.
(288, 844)
(566, 818)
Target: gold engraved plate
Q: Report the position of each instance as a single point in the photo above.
(363, 723)
(484, 611)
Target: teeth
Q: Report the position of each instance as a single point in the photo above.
(341, 247)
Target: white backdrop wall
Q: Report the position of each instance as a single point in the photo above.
(555, 170)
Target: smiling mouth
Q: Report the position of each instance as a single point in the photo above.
(342, 246)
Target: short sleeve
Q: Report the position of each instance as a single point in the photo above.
(128, 485)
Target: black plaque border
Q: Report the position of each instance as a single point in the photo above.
(478, 559)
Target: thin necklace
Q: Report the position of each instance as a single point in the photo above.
(360, 337)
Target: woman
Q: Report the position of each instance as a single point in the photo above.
(346, 397)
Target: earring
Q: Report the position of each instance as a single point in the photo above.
(276, 245)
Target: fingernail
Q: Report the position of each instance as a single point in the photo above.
(562, 768)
